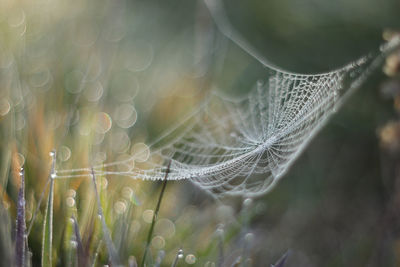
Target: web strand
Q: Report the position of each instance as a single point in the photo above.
(244, 147)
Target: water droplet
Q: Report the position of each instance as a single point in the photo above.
(180, 253)
(93, 91)
(20, 160)
(103, 123)
(247, 202)
(127, 192)
(148, 216)
(125, 116)
(4, 107)
(73, 243)
(249, 237)
(64, 153)
(165, 228)
(70, 201)
(220, 229)
(158, 242)
(16, 18)
(71, 193)
(140, 152)
(190, 259)
(40, 78)
(120, 207)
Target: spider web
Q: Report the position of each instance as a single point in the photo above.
(243, 147)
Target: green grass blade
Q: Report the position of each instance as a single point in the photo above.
(48, 229)
(20, 225)
(281, 262)
(150, 234)
(96, 254)
(48, 220)
(112, 252)
(82, 257)
(37, 207)
(179, 255)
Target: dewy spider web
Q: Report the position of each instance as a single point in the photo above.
(244, 147)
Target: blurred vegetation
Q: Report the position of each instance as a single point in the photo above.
(96, 80)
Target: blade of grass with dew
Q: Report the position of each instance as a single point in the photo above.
(150, 234)
(48, 219)
(82, 257)
(87, 240)
(20, 224)
(178, 256)
(37, 207)
(96, 254)
(112, 252)
(281, 262)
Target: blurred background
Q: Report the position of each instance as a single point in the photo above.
(99, 80)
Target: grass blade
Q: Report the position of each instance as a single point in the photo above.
(281, 262)
(48, 219)
(37, 207)
(82, 256)
(150, 234)
(178, 256)
(96, 254)
(20, 225)
(112, 253)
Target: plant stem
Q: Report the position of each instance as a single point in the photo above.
(150, 234)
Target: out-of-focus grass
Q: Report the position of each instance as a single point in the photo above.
(95, 80)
